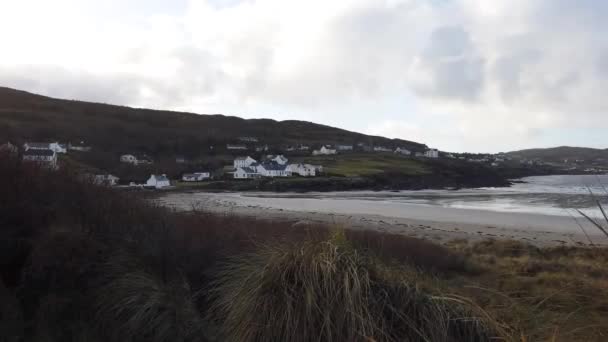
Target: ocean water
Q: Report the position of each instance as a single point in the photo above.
(548, 195)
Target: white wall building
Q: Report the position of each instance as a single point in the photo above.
(236, 147)
(158, 181)
(47, 158)
(324, 151)
(273, 169)
(128, 158)
(403, 151)
(279, 159)
(196, 176)
(382, 149)
(432, 153)
(243, 162)
(344, 147)
(304, 170)
(107, 180)
(246, 173)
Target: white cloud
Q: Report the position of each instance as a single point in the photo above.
(507, 73)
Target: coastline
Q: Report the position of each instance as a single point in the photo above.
(428, 222)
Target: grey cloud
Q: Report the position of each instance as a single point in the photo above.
(451, 66)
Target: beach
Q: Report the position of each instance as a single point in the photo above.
(432, 222)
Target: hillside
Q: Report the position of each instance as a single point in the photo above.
(562, 153)
(117, 129)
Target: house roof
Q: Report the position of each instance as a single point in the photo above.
(43, 152)
(242, 158)
(160, 178)
(248, 169)
(37, 144)
(273, 166)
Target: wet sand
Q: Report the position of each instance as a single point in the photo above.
(422, 221)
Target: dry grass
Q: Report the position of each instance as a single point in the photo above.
(329, 291)
(546, 294)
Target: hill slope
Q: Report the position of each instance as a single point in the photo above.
(559, 154)
(122, 129)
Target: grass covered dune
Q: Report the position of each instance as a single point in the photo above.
(84, 263)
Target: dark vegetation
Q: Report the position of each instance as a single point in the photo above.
(80, 262)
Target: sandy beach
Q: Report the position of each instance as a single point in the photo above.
(422, 221)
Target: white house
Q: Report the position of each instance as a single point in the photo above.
(195, 177)
(279, 159)
(9, 148)
(46, 157)
(403, 151)
(344, 147)
(158, 181)
(273, 169)
(304, 170)
(382, 149)
(55, 147)
(128, 158)
(246, 173)
(79, 146)
(248, 139)
(107, 180)
(261, 148)
(324, 151)
(243, 162)
(236, 147)
(432, 153)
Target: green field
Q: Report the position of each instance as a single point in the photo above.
(365, 164)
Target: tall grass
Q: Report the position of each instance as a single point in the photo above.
(329, 291)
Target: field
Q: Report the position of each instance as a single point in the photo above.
(360, 164)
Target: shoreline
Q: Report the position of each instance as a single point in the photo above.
(428, 222)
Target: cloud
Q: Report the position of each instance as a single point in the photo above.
(503, 74)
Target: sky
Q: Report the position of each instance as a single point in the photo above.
(459, 75)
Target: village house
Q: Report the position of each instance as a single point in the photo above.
(261, 148)
(9, 148)
(324, 151)
(248, 139)
(382, 149)
(196, 176)
(231, 147)
(47, 158)
(243, 162)
(344, 147)
(432, 153)
(158, 181)
(279, 159)
(303, 148)
(106, 180)
(55, 147)
(273, 169)
(304, 170)
(403, 151)
(246, 173)
(180, 160)
(79, 146)
(131, 159)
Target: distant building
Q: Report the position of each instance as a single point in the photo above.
(344, 147)
(196, 176)
(55, 146)
(158, 181)
(324, 151)
(180, 160)
(243, 162)
(236, 147)
(79, 146)
(382, 149)
(9, 148)
(131, 159)
(246, 173)
(279, 159)
(107, 180)
(431, 153)
(304, 170)
(248, 139)
(47, 158)
(273, 169)
(403, 151)
(261, 148)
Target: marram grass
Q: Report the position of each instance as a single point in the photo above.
(328, 291)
